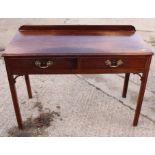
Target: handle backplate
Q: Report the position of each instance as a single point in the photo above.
(113, 63)
(43, 63)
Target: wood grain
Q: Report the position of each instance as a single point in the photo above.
(77, 40)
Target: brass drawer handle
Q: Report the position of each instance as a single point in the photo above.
(43, 64)
(113, 63)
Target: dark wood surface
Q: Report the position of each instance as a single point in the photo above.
(72, 49)
(77, 40)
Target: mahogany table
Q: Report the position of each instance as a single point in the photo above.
(77, 49)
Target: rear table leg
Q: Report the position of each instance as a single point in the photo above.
(27, 80)
(126, 82)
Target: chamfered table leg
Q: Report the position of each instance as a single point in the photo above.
(27, 80)
(15, 100)
(125, 87)
(140, 98)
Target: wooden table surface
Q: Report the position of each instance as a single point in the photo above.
(77, 40)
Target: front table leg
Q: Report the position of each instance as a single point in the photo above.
(15, 100)
(140, 98)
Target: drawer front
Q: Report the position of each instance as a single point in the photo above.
(41, 65)
(79, 65)
(113, 63)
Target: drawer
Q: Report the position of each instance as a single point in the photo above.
(41, 65)
(113, 62)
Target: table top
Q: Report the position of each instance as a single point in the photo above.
(79, 40)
